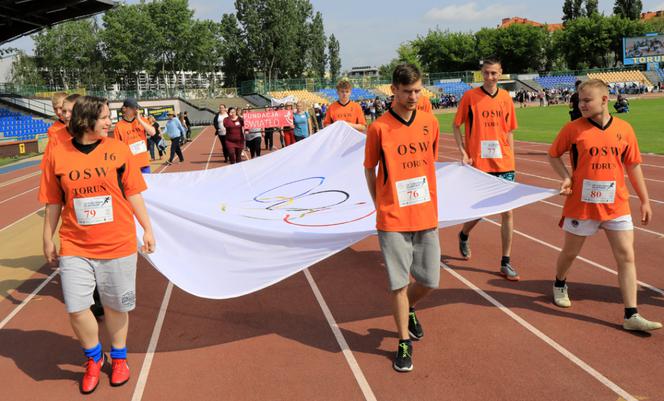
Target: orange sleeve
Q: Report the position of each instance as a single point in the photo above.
(328, 116)
(132, 178)
(360, 116)
(632, 154)
(427, 104)
(372, 147)
(511, 118)
(562, 142)
(49, 188)
(462, 111)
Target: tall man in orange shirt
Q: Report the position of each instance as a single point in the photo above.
(488, 115)
(404, 144)
(133, 130)
(345, 110)
(602, 149)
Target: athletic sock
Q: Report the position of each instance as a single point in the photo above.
(505, 260)
(559, 283)
(118, 353)
(95, 352)
(463, 237)
(629, 312)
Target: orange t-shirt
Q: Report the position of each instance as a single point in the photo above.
(133, 134)
(598, 156)
(97, 218)
(55, 137)
(405, 152)
(488, 120)
(350, 112)
(54, 127)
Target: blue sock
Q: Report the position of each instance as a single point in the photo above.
(94, 352)
(118, 353)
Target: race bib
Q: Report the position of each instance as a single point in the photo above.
(138, 147)
(95, 210)
(598, 191)
(413, 191)
(491, 150)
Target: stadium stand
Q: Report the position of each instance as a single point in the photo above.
(305, 96)
(457, 88)
(556, 81)
(19, 127)
(355, 94)
(621, 77)
(660, 74)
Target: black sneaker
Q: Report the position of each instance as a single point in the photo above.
(414, 326)
(464, 247)
(403, 361)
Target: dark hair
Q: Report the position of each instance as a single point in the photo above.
(492, 60)
(72, 98)
(405, 74)
(87, 110)
(577, 83)
(231, 108)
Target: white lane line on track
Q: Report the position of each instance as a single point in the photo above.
(21, 219)
(548, 340)
(27, 299)
(19, 179)
(16, 196)
(581, 258)
(144, 373)
(345, 349)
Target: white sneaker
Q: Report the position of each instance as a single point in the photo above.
(639, 323)
(560, 297)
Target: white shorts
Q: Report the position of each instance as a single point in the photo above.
(586, 228)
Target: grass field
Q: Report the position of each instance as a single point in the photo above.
(541, 124)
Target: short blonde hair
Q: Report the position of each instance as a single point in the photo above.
(594, 83)
(344, 84)
(57, 97)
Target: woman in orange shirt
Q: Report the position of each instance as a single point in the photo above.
(93, 184)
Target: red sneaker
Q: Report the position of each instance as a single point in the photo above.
(91, 376)
(120, 373)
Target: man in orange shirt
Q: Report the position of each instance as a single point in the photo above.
(133, 130)
(56, 100)
(488, 115)
(345, 110)
(404, 144)
(61, 134)
(602, 149)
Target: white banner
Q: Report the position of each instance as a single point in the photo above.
(234, 230)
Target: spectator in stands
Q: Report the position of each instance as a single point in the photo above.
(234, 125)
(302, 122)
(574, 111)
(175, 132)
(219, 128)
(288, 133)
(155, 139)
(187, 126)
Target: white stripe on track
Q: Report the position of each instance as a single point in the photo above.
(16, 196)
(19, 179)
(581, 258)
(345, 349)
(21, 219)
(548, 340)
(27, 299)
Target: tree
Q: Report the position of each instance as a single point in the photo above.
(630, 9)
(521, 47)
(446, 51)
(318, 41)
(572, 9)
(592, 7)
(25, 70)
(71, 53)
(406, 53)
(335, 60)
(623, 27)
(585, 42)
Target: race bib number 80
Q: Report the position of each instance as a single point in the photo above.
(94, 210)
(413, 191)
(598, 191)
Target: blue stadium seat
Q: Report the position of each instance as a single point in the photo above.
(355, 95)
(556, 81)
(454, 88)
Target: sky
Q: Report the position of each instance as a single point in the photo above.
(370, 31)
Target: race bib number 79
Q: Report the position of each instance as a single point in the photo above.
(94, 210)
(413, 191)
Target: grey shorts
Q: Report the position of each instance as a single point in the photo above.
(411, 253)
(115, 280)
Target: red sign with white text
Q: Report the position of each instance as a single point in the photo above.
(268, 119)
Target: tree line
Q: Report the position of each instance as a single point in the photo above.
(268, 39)
(588, 40)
